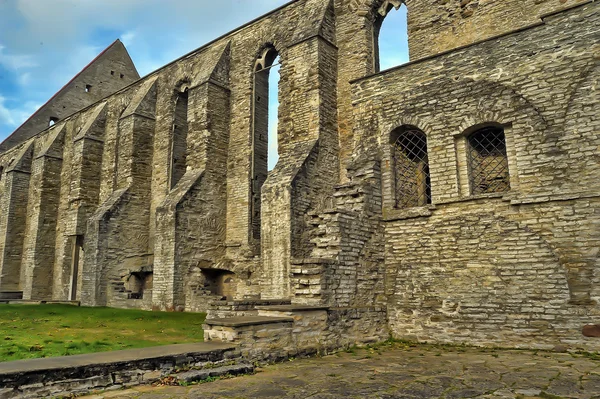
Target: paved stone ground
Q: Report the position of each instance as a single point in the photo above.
(405, 372)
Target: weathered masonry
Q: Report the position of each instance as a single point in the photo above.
(455, 198)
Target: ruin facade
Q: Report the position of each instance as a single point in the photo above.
(451, 199)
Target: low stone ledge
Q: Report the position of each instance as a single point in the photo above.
(246, 321)
(34, 302)
(8, 295)
(62, 376)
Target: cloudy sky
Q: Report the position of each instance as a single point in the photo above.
(44, 43)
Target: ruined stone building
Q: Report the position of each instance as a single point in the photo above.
(454, 198)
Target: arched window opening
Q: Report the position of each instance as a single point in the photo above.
(273, 153)
(180, 132)
(412, 181)
(52, 121)
(391, 35)
(487, 160)
(264, 124)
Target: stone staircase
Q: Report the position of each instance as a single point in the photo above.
(324, 312)
(268, 329)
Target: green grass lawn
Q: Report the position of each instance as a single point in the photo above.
(33, 331)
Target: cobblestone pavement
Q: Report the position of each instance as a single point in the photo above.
(401, 371)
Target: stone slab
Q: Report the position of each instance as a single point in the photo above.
(262, 302)
(247, 321)
(292, 308)
(34, 302)
(108, 358)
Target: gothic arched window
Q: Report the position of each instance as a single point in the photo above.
(390, 39)
(264, 127)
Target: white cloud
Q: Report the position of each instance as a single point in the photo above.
(14, 117)
(16, 62)
(5, 114)
(128, 38)
(24, 79)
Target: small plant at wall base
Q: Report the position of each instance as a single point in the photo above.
(32, 331)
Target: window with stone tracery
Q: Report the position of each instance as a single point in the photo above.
(411, 178)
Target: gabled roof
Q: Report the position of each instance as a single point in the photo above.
(31, 126)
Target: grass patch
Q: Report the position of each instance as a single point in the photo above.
(34, 331)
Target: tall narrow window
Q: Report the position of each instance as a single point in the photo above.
(180, 132)
(273, 154)
(264, 127)
(391, 35)
(412, 182)
(488, 163)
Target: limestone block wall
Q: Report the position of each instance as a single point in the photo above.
(517, 268)
(438, 26)
(349, 234)
(299, 49)
(98, 192)
(116, 251)
(40, 236)
(492, 277)
(191, 221)
(433, 27)
(307, 168)
(98, 206)
(14, 211)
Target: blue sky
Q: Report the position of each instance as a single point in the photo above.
(44, 43)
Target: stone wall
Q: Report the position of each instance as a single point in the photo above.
(114, 220)
(517, 268)
(141, 201)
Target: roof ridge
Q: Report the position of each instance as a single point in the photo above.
(70, 81)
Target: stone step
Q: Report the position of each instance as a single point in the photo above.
(244, 307)
(253, 302)
(257, 337)
(240, 329)
(244, 321)
(289, 310)
(200, 375)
